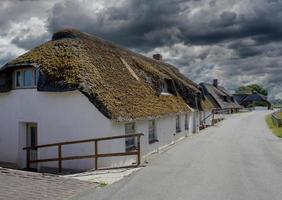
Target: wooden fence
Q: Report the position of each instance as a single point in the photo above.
(94, 156)
(277, 121)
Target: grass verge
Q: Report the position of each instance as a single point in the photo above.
(275, 130)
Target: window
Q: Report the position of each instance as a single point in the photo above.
(164, 87)
(152, 132)
(130, 143)
(186, 122)
(178, 128)
(26, 78)
(167, 87)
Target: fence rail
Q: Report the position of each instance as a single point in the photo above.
(94, 156)
(277, 121)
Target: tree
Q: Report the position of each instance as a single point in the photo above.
(251, 89)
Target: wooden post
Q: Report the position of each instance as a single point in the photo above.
(139, 150)
(28, 159)
(60, 157)
(96, 154)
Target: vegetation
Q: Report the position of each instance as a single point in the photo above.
(275, 130)
(251, 89)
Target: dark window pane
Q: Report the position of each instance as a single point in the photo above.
(28, 78)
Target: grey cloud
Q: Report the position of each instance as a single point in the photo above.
(237, 41)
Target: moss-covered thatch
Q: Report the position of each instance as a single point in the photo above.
(98, 69)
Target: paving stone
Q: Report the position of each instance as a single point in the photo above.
(22, 185)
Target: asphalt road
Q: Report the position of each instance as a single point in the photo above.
(237, 160)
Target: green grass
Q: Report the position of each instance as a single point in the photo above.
(275, 130)
(103, 184)
(280, 114)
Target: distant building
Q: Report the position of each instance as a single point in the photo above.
(247, 100)
(219, 97)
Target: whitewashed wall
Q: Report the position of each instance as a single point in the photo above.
(70, 116)
(166, 135)
(59, 117)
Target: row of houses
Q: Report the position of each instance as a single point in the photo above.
(77, 86)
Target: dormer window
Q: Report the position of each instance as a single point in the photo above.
(164, 87)
(26, 78)
(167, 87)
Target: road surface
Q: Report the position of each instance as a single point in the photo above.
(237, 160)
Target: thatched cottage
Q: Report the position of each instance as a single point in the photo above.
(79, 86)
(220, 98)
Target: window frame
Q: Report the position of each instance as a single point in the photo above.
(132, 146)
(21, 78)
(178, 124)
(153, 139)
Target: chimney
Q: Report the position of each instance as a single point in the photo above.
(157, 56)
(215, 83)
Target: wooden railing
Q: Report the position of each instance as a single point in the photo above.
(277, 121)
(94, 156)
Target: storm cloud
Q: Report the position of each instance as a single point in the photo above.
(237, 41)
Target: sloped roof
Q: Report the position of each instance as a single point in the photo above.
(219, 96)
(122, 84)
(251, 97)
(240, 97)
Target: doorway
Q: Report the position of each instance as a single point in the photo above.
(31, 141)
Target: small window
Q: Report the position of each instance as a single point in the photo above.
(26, 78)
(178, 127)
(130, 143)
(152, 132)
(167, 87)
(164, 87)
(186, 122)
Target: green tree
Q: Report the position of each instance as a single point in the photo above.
(251, 89)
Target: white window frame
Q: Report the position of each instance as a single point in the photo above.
(130, 142)
(35, 75)
(178, 124)
(152, 134)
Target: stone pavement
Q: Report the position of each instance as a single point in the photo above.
(22, 185)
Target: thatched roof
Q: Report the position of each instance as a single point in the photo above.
(219, 96)
(244, 99)
(122, 84)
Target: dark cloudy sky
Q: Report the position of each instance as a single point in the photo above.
(237, 41)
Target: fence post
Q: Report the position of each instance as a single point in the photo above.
(96, 154)
(139, 150)
(27, 159)
(60, 157)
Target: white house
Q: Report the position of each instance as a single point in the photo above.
(78, 87)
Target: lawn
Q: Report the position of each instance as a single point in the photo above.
(277, 131)
(280, 114)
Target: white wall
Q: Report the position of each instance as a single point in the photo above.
(59, 117)
(66, 116)
(166, 134)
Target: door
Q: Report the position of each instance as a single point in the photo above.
(31, 141)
